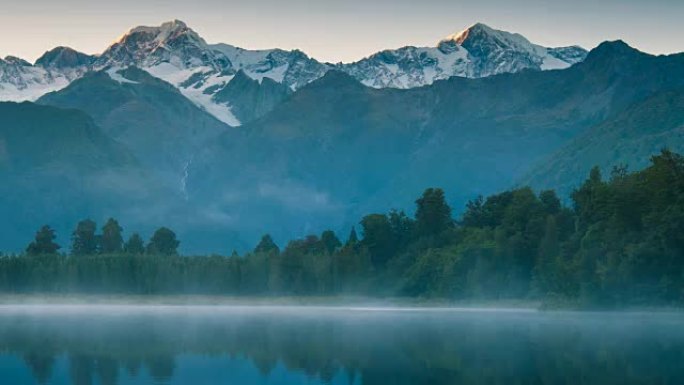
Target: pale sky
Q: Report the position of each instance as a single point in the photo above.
(340, 30)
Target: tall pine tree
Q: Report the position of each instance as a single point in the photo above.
(134, 245)
(111, 240)
(163, 242)
(433, 214)
(83, 240)
(44, 242)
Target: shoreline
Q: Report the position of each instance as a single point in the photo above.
(359, 303)
(199, 300)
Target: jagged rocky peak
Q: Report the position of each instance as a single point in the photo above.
(479, 32)
(481, 39)
(480, 35)
(172, 42)
(494, 51)
(64, 58)
(16, 61)
(475, 30)
(160, 34)
(178, 55)
(477, 51)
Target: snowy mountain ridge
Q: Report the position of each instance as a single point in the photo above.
(478, 51)
(177, 54)
(56, 69)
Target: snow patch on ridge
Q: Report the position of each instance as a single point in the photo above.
(256, 64)
(116, 76)
(553, 63)
(12, 93)
(19, 83)
(197, 92)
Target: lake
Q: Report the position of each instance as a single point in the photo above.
(119, 344)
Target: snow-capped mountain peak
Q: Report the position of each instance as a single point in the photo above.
(477, 51)
(479, 34)
(477, 28)
(480, 31)
(20, 80)
(177, 54)
(162, 32)
(159, 35)
(172, 42)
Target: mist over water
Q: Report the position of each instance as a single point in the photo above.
(120, 344)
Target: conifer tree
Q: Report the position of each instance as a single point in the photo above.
(266, 245)
(433, 214)
(83, 240)
(44, 242)
(353, 239)
(330, 241)
(163, 242)
(111, 240)
(134, 245)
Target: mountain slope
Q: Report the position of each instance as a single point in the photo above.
(44, 138)
(630, 139)
(147, 115)
(56, 165)
(249, 98)
(336, 149)
(177, 54)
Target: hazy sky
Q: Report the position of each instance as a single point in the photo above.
(339, 30)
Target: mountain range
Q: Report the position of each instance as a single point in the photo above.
(154, 125)
(204, 72)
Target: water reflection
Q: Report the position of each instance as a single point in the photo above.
(204, 345)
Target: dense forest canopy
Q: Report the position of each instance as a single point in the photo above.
(620, 243)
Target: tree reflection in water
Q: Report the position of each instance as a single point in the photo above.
(101, 346)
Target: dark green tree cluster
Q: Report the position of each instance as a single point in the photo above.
(86, 242)
(620, 242)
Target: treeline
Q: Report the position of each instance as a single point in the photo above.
(620, 242)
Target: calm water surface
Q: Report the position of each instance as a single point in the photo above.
(303, 345)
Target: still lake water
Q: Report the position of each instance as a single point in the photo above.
(198, 345)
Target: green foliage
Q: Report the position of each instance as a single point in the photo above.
(330, 241)
(83, 240)
(378, 238)
(163, 242)
(111, 240)
(353, 238)
(135, 245)
(402, 227)
(266, 245)
(621, 243)
(545, 275)
(433, 214)
(44, 242)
